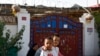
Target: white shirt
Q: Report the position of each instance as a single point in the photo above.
(56, 49)
(47, 53)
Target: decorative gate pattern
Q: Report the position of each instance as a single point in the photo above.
(69, 31)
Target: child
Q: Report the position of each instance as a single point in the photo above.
(56, 40)
(47, 49)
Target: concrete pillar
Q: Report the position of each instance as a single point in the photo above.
(24, 19)
(90, 42)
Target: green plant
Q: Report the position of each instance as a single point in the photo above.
(7, 42)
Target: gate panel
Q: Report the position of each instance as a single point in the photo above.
(69, 31)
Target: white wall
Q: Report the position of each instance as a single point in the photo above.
(90, 39)
(12, 28)
(26, 34)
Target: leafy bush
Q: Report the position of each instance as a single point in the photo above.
(8, 42)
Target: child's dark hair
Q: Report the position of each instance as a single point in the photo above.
(56, 34)
(49, 38)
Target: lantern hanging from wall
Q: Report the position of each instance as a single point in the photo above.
(15, 9)
(89, 18)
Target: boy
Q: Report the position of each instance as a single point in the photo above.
(47, 48)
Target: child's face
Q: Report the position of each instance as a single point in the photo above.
(48, 44)
(56, 41)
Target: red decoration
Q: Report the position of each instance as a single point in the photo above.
(24, 18)
(50, 54)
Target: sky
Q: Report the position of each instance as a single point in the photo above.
(52, 3)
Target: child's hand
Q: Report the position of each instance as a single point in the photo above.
(44, 48)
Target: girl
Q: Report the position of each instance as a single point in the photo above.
(56, 40)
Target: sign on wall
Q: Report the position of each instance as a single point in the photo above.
(90, 30)
(8, 20)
